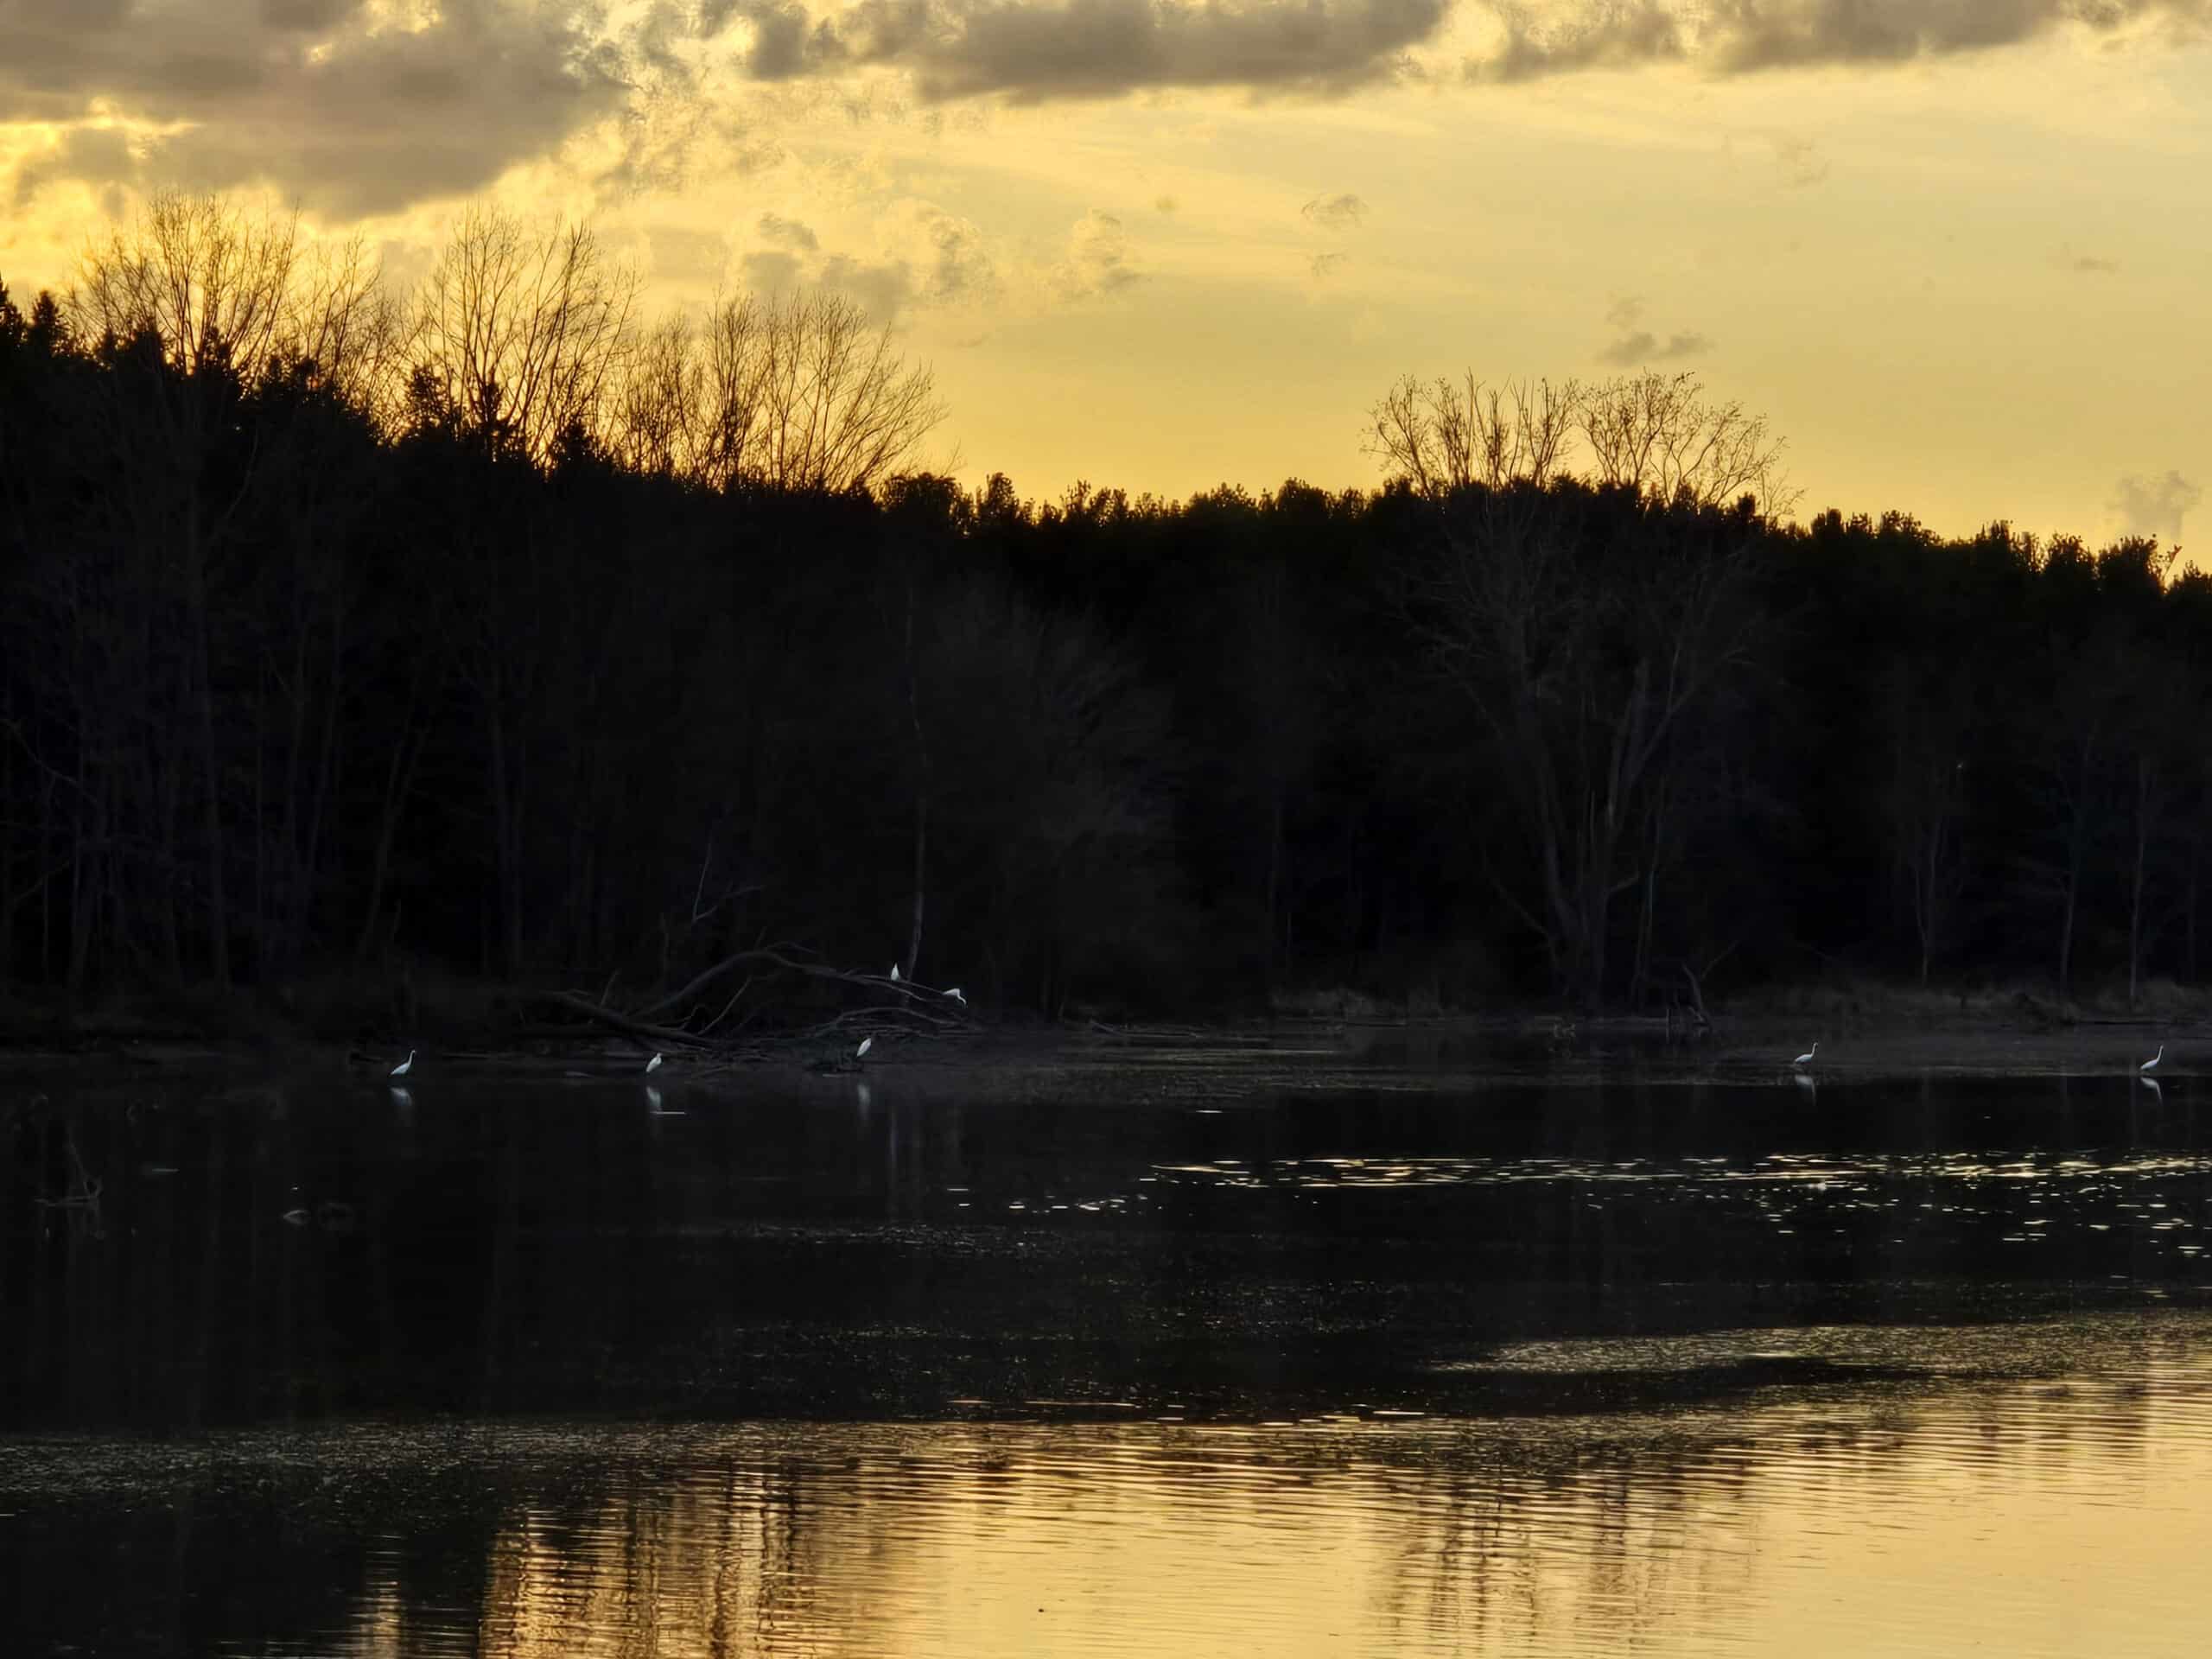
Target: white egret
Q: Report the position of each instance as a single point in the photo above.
(405, 1065)
(2152, 1062)
(652, 1065)
(1805, 1058)
(954, 994)
(894, 973)
(867, 1043)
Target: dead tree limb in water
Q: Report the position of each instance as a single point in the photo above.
(773, 955)
(895, 1005)
(663, 1036)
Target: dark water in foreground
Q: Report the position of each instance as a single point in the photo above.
(859, 1366)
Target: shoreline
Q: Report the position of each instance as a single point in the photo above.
(1228, 1058)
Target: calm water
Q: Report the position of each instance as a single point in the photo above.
(862, 1366)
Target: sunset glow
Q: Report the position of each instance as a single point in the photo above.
(1944, 247)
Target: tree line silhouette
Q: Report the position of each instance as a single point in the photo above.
(487, 628)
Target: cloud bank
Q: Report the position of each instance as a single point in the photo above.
(357, 108)
(1098, 48)
(1736, 37)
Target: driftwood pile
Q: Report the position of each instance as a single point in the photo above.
(773, 981)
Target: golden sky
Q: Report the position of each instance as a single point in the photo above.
(1957, 250)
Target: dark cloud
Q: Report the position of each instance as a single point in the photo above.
(882, 289)
(95, 155)
(784, 45)
(307, 14)
(1607, 33)
(2155, 506)
(935, 259)
(1336, 212)
(787, 233)
(307, 96)
(1098, 259)
(1644, 346)
(1100, 48)
(771, 273)
(1731, 37)
(952, 264)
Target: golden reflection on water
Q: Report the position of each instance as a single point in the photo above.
(2067, 1515)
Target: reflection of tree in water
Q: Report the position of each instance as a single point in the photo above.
(729, 1558)
(1577, 1533)
(1568, 1536)
(1559, 1539)
(1592, 1536)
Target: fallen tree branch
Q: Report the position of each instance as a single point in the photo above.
(661, 1036)
(772, 955)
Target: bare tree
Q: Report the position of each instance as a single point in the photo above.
(211, 283)
(729, 407)
(350, 332)
(654, 410)
(797, 394)
(1657, 433)
(1586, 650)
(2159, 747)
(2072, 772)
(840, 410)
(1442, 437)
(198, 307)
(1653, 432)
(1585, 643)
(1930, 728)
(519, 337)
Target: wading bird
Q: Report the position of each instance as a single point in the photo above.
(867, 1043)
(1805, 1058)
(894, 973)
(954, 994)
(405, 1065)
(2152, 1062)
(652, 1065)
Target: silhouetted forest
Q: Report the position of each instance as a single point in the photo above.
(489, 631)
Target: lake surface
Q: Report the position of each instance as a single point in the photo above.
(890, 1364)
